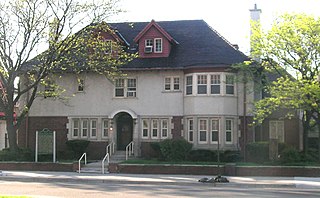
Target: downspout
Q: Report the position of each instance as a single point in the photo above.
(244, 116)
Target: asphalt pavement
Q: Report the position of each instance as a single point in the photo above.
(48, 176)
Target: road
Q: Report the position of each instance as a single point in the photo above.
(97, 190)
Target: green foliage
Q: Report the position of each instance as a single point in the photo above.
(258, 152)
(230, 156)
(20, 155)
(78, 147)
(175, 149)
(157, 150)
(289, 155)
(203, 155)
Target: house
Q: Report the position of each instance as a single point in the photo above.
(181, 86)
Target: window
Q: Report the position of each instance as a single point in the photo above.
(202, 84)
(230, 84)
(148, 42)
(49, 88)
(145, 128)
(119, 88)
(109, 46)
(203, 129)
(176, 83)
(158, 45)
(132, 87)
(276, 130)
(105, 128)
(214, 131)
(80, 85)
(190, 130)
(189, 85)
(229, 127)
(154, 128)
(215, 84)
(164, 128)
(93, 128)
(84, 128)
(171, 83)
(75, 127)
(126, 87)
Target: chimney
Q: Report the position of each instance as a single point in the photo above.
(255, 13)
(255, 17)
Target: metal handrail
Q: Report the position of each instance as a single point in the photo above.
(106, 157)
(85, 161)
(110, 148)
(129, 149)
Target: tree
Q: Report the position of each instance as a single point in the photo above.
(291, 49)
(49, 27)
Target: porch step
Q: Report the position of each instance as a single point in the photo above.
(94, 167)
(119, 156)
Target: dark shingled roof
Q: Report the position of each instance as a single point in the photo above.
(199, 45)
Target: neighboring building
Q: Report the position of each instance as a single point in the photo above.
(181, 86)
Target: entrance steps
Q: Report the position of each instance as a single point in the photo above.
(96, 167)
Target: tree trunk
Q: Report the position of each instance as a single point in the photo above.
(12, 132)
(306, 128)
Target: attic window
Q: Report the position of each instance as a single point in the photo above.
(148, 46)
(158, 45)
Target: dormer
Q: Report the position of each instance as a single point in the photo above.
(154, 41)
(112, 37)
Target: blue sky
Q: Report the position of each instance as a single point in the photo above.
(231, 18)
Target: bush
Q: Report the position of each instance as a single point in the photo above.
(78, 147)
(258, 152)
(23, 154)
(290, 155)
(157, 151)
(175, 149)
(202, 155)
(230, 156)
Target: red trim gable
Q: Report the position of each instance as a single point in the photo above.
(159, 28)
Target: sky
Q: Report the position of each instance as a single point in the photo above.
(231, 18)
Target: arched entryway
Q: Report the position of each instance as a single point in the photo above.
(124, 129)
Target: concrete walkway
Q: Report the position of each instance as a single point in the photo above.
(42, 176)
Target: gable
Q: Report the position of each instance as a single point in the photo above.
(153, 41)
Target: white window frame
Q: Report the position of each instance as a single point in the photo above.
(200, 130)
(215, 80)
(228, 84)
(164, 129)
(189, 85)
(157, 48)
(75, 128)
(119, 85)
(171, 82)
(105, 128)
(229, 130)
(278, 130)
(154, 128)
(131, 90)
(147, 128)
(202, 80)
(93, 130)
(148, 43)
(190, 130)
(128, 91)
(214, 130)
(85, 128)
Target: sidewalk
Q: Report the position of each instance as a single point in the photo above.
(41, 176)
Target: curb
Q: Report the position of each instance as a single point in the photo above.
(91, 180)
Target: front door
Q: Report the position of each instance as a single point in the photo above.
(124, 130)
